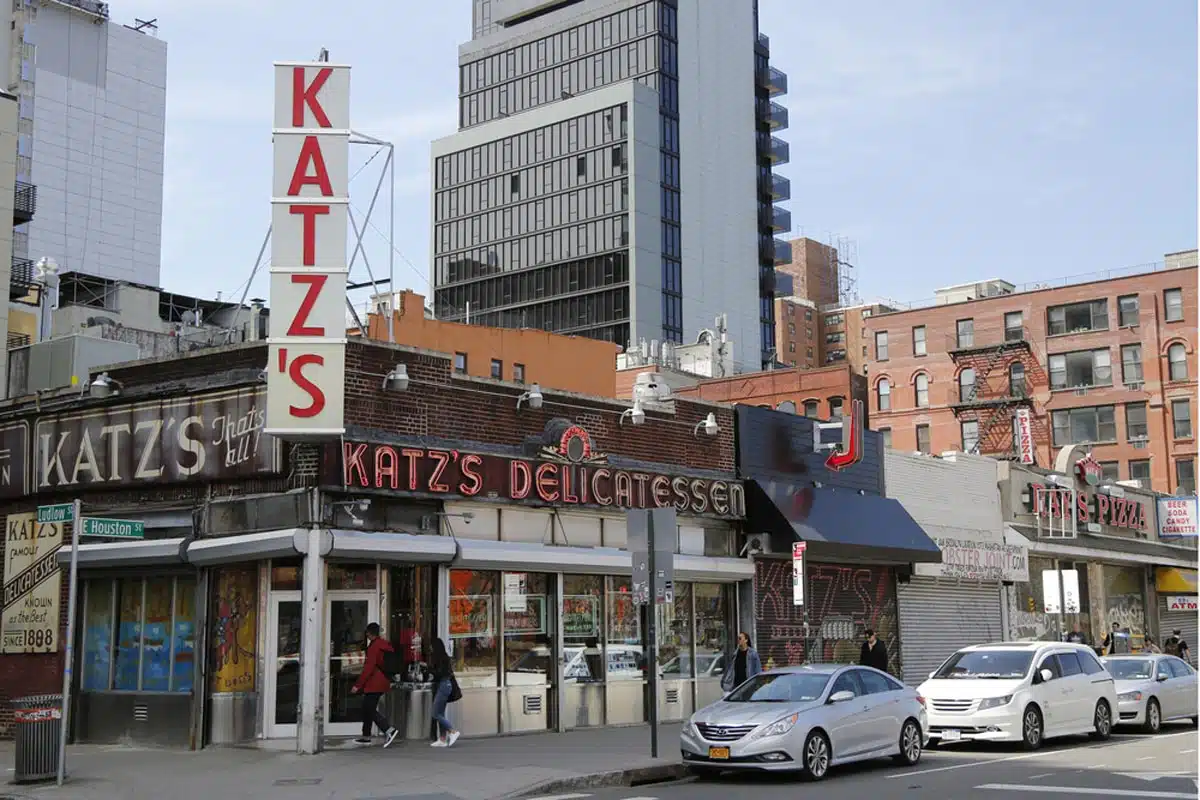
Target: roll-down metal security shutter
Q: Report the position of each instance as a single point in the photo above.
(1186, 621)
(937, 617)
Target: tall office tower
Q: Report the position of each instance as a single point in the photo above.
(612, 173)
(92, 104)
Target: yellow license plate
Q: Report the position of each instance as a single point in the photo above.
(718, 753)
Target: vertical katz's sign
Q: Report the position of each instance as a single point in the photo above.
(31, 585)
(309, 211)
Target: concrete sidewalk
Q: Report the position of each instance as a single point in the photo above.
(474, 769)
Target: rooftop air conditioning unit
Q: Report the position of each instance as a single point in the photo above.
(649, 387)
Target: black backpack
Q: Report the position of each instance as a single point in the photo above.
(391, 664)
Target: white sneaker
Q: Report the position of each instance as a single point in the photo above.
(391, 737)
(452, 738)
(438, 743)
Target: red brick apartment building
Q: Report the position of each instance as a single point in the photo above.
(1111, 363)
(817, 393)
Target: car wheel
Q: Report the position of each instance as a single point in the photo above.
(1031, 728)
(816, 756)
(1153, 716)
(910, 743)
(1102, 722)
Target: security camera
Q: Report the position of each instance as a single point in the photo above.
(362, 506)
(467, 517)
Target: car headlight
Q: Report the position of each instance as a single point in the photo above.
(778, 728)
(995, 702)
(1130, 696)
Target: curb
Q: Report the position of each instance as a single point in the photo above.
(659, 773)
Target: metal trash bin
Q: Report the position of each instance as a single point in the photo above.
(38, 721)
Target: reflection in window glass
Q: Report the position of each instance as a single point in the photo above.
(675, 634)
(97, 636)
(713, 636)
(412, 621)
(623, 632)
(183, 647)
(528, 621)
(473, 627)
(582, 612)
(129, 635)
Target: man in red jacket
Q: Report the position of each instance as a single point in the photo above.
(372, 683)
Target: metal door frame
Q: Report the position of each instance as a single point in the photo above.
(371, 598)
(271, 729)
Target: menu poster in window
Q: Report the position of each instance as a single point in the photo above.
(514, 592)
(471, 616)
(531, 619)
(31, 585)
(235, 631)
(581, 616)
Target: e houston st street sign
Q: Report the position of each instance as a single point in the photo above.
(123, 528)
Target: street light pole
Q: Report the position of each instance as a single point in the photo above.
(69, 647)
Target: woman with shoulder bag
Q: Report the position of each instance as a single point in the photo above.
(743, 666)
(445, 690)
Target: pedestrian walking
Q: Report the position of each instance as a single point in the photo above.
(1077, 636)
(874, 652)
(372, 683)
(745, 664)
(1149, 646)
(445, 691)
(1177, 646)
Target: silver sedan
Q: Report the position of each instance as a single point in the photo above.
(807, 719)
(1152, 689)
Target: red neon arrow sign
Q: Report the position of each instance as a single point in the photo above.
(851, 451)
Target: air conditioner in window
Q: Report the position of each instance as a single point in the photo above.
(1139, 444)
(1134, 386)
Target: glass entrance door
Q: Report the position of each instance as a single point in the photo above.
(285, 620)
(347, 615)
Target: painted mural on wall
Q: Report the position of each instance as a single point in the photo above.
(235, 631)
(843, 602)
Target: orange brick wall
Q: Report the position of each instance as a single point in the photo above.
(769, 389)
(1152, 332)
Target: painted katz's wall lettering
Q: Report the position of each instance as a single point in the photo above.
(584, 481)
(210, 436)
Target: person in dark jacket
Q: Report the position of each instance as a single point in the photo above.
(372, 683)
(874, 653)
(443, 682)
(744, 665)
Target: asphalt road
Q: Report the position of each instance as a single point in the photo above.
(1162, 767)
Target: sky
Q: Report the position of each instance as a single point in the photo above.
(942, 141)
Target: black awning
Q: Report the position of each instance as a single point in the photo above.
(838, 525)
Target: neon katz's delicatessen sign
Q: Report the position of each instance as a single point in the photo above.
(567, 473)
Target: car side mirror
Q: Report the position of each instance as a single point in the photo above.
(841, 697)
(1046, 675)
(1160, 677)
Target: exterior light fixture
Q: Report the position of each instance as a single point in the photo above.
(708, 425)
(636, 415)
(533, 397)
(397, 379)
(104, 386)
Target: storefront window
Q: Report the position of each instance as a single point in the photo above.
(412, 619)
(351, 577)
(623, 632)
(153, 637)
(1124, 593)
(582, 617)
(528, 622)
(1027, 613)
(97, 636)
(675, 634)
(285, 577)
(474, 629)
(713, 636)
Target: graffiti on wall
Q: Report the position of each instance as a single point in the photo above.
(843, 602)
(235, 631)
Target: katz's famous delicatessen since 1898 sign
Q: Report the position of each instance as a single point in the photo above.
(32, 585)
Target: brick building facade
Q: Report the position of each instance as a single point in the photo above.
(822, 393)
(1110, 362)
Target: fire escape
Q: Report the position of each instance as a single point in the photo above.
(1002, 364)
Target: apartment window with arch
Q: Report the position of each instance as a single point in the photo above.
(836, 409)
(918, 334)
(883, 391)
(886, 435)
(921, 390)
(1177, 367)
(1185, 476)
(970, 435)
(966, 386)
(1131, 363)
(965, 333)
(881, 346)
(923, 444)
(1181, 418)
(1173, 304)
(811, 409)
(1016, 379)
(1128, 310)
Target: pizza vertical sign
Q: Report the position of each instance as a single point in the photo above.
(309, 216)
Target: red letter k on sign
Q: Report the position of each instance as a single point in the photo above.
(307, 96)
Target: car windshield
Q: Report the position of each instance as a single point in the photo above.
(780, 687)
(983, 664)
(1129, 669)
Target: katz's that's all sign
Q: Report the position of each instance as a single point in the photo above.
(306, 362)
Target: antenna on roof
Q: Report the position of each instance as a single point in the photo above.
(323, 55)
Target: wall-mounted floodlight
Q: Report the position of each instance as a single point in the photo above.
(104, 386)
(636, 415)
(397, 379)
(533, 397)
(708, 425)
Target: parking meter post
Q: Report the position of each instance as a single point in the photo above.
(69, 645)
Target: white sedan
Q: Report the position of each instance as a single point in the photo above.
(1152, 689)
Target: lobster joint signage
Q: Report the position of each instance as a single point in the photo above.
(31, 585)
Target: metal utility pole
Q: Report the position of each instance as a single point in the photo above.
(69, 647)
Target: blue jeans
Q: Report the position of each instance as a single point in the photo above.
(440, 698)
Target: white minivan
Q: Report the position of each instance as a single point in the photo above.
(1020, 692)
